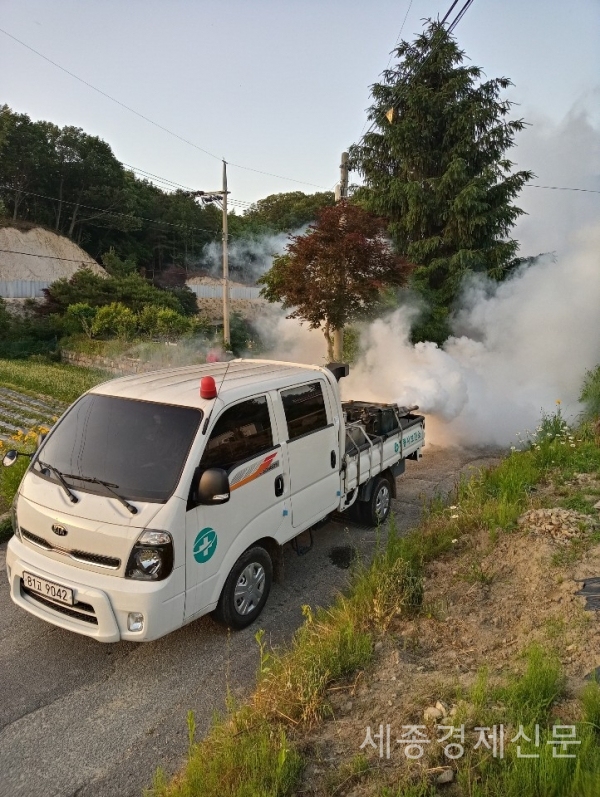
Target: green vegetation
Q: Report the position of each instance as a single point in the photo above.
(63, 382)
(5, 530)
(281, 213)
(435, 165)
(247, 758)
(26, 336)
(590, 393)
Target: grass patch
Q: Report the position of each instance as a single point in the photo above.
(526, 701)
(529, 697)
(243, 757)
(579, 503)
(60, 381)
(5, 530)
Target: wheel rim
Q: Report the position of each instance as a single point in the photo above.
(382, 502)
(249, 589)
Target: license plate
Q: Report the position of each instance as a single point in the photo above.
(48, 589)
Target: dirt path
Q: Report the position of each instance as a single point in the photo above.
(81, 718)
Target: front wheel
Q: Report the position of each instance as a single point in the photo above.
(376, 510)
(246, 589)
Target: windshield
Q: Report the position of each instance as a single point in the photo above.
(140, 446)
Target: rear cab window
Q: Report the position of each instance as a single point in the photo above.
(305, 410)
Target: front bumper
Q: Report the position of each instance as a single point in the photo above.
(102, 603)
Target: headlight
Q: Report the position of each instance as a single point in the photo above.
(151, 558)
(13, 518)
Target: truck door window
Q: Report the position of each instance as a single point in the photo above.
(242, 432)
(304, 408)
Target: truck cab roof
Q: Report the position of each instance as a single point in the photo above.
(235, 380)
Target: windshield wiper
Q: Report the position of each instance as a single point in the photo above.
(109, 486)
(72, 497)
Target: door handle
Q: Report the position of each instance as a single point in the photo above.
(279, 486)
(333, 459)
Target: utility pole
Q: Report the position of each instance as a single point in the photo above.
(207, 197)
(226, 330)
(341, 196)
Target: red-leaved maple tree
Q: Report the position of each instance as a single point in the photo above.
(334, 273)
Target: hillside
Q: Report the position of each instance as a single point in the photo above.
(39, 255)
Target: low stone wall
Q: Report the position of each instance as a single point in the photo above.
(120, 366)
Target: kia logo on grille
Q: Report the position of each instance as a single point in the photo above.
(60, 530)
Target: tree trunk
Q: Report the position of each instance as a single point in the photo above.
(59, 211)
(74, 216)
(338, 345)
(18, 199)
(329, 339)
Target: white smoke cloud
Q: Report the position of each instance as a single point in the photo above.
(288, 340)
(519, 347)
(249, 258)
(564, 155)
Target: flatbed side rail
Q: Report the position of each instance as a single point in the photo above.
(381, 451)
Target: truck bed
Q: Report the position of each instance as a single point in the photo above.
(377, 437)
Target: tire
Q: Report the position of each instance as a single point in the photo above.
(246, 590)
(376, 510)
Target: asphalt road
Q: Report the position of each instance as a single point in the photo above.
(81, 718)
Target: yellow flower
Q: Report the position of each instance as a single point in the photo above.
(558, 401)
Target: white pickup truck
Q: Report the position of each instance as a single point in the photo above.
(160, 497)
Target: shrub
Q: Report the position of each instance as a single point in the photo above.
(148, 320)
(170, 324)
(131, 290)
(80, 318)
(114, 319)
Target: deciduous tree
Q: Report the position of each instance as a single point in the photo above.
(335, 272)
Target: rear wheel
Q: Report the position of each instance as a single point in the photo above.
(376, 510)
(246, 589)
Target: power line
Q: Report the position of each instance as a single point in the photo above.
(399, 34)
(241, 202)
(107, 212)
(147, 118)
(563, 188)
(451, 27)
(449, 11)
(392, 54)
(460, 15)
(49, 257)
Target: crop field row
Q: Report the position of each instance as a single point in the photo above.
(20, 412)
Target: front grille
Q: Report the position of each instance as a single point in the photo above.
(110, 562)
(78, 610)
(96, 559)
(36, 540)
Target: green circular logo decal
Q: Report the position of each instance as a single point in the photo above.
(396, 447)
(205, 544)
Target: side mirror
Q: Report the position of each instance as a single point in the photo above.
(213, 487)
(10, 458)
(40, 439)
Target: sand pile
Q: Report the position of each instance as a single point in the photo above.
(47, 256)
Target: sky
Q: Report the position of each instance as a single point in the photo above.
(281, 86)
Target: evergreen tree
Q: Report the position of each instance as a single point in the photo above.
(434, 164)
